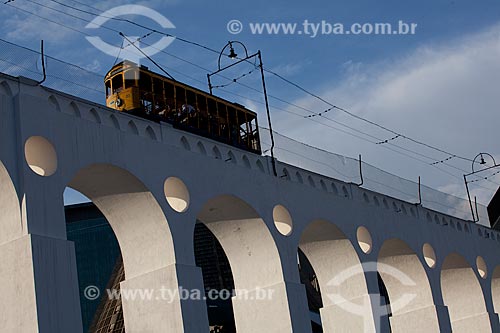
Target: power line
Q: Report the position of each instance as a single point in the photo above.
(442, 161)
(387, 141)
(147, 56)
(237, 82)
(131, 22)
(399, 135)
(364, 119)
(236, 79)
(212, 50)
(298, 115)
(484, 178)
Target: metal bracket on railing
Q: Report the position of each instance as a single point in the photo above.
(360, 172)
(419, 203)
(43, 63)
(477, 215)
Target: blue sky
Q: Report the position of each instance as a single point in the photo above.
(439, 86)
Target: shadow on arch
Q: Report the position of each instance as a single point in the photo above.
(463, 296)
(340, 277)
(10, 218)
(134, 215)
(260, 299)
(495, 289)
(412, 304)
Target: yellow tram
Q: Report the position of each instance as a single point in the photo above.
(137, 90)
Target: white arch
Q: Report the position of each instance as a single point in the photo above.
(216, 153)
(201, 148)
(74, 109)
(134, 214)
(132, 127)
(10, 218)
(146, 245)
(150, 133)
(231, 158)
(408, 287)
(495, 289)
(114, 121)
(53, 100)
(94, 116)
(463, 296)
(254, 260)
(246, 162)
(333, 257)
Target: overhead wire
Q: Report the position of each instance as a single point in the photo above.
(365, 119)
(308, 92)
(257, 90)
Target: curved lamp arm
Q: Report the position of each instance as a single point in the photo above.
(232, 54)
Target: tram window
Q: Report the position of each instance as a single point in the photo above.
(145, 82)
(180, 96)
(223, 125)
(212, 116)
(221, 108)
(242, 118)
(117, 83)
(202, 105)
(191, 98)
(157, 86)
(212, 108)
(232, 124)
(242, 122)
(231, 112)
(108, 88)
(169, 90)
(159, 100)
(169, 95)
(253, 125)
(130, 79)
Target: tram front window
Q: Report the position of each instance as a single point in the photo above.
(130, 80)
(108, 88)
(117, 84)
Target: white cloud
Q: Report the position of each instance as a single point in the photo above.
(444, 94)
(20, 25)
(290, 69)
(94, 67)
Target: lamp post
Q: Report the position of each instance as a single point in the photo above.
(475, 216)
(258, 56)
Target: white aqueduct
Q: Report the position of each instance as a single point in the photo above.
(153, 182)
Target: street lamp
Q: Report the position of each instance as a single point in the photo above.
(257, 55)
(232, 53)
(475, 216)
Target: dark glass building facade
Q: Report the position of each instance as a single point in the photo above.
(100, 264)
(97, 252)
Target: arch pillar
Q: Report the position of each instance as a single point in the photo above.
(177, 303)
(154, 292)
(167, 306)
(495, 293)
(265, 300)
(38, 275)
(379, 308)
(341, 278)
(463, 295)
(410, 294)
